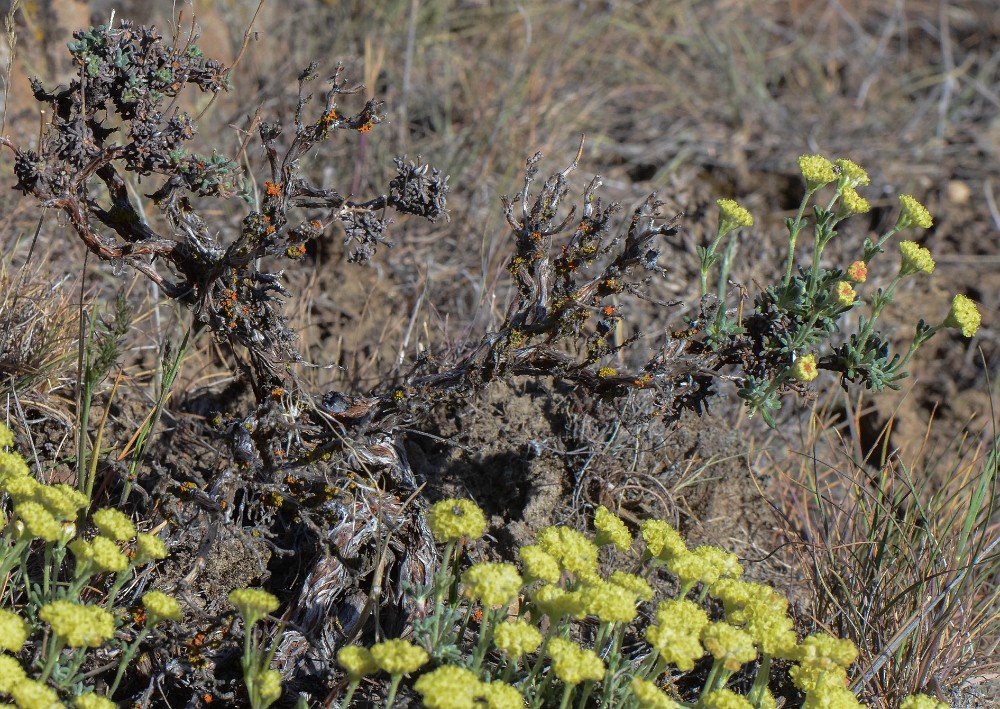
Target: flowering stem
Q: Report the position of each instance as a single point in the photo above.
(588, 687)
(708, 259)
(58, 643)
(794, 227)
(490, 619)
(727, 262)
(712, 682)
(393, 686)
(567, 695)
(351, 686)
(78, 657)
(760, 681)
(126, 658)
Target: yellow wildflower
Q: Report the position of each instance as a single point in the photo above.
(916, 259)
(727, 643)
(922, 701)
(29, 694)
(650, 697)
(268, 686)
(832, 698)
(78, 625)
(11, 673)
(676, 633)
(449, 687)
(964, 316)
(846, 295)
(913, 214)
(817, 171)
(38, 521)
(804, 369)
(572, 664)
(13, 465)
(93, 701)
(516, 638)
(21, 488)
(609, 602)
(816, 680)
(858, 271)
(611, 530)
(149, 547)
(399, 657)
(636, 584)
(732, 216)
(662, 540)
(825, 651)
(62, 501)
(555, 602)
(724, 699)
(539, 565)
(706, 564)
(114, 524)
(852, 174)
(159, 606)
(357, 661)
(574, 552)
(852, 202)
(107, 555)
(13, 631)
(253, 603)
(493, 584)
(6, 436)
(499, 695)
(453, 519)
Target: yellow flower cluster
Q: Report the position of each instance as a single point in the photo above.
(451, 687)
(728, 644)
(854, 203)
(662, 540)
(706, 564)
(492, 584)
(817, 171)
(846, 295)
(574, 552)
(93, 701)
(913, 214)
(13, 631)
(650, 697)
(852, 174)
(804, 369)
(676, 633)
(78, 625)
(453, 519)
(399, 657)
(114, 524)
(267, 684)
(724, 699)
(573, 664)
(964, 316)
(732, 216)
(916, 259)
(922, 701)
(539, 565)
(357, 661)
(610, 602)
(858, 271)
(611, 530)
(159, 606)
(253, 603)
(516, 638)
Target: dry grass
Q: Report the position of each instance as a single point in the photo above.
(695, 101)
